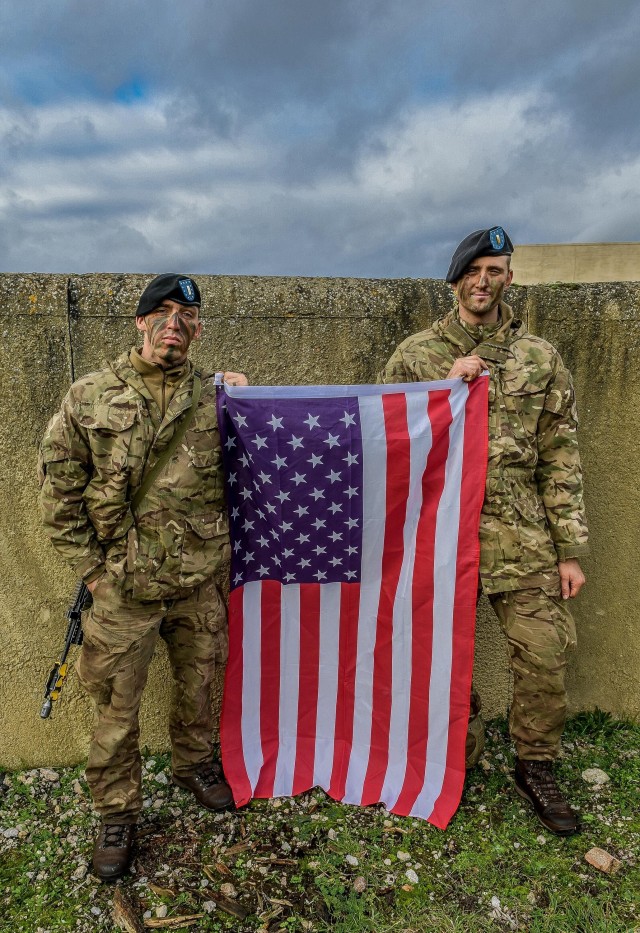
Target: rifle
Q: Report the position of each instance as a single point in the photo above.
(82, 599)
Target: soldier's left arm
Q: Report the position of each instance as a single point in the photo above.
(559, 473)
(396, 369)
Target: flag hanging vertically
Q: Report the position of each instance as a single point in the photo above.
(354, 514)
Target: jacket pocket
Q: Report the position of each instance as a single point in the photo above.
(203, 445)
(204, 546)
(109, 430)
(522, 380)
(530, 508)
(53, 447)
(537, 550)
(154, 546)
(523, 402)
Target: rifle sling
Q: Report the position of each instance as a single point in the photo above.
(491, 350)
(167, 453)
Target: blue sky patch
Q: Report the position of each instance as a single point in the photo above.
(131, 92)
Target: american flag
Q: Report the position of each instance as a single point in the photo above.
(354, 514)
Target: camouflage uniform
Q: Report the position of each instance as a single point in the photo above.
(533, 514)
(158, 564)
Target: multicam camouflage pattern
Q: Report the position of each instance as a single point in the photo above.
(540, 632)
(120, 635)
(533, 514)
(93, 457)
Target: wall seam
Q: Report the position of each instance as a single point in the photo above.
(72, 314)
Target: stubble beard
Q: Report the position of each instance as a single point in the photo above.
(481, 312)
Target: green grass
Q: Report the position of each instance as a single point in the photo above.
(313, 864)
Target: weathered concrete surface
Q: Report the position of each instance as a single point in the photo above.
(536, 264)
(286, 330)
(597, 330)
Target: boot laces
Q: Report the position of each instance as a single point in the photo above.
(541, 776)
(115, 835)
(208, 775)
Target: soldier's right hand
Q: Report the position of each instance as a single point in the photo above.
(467, 368)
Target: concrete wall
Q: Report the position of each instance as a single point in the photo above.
(537, 264)
(286, 330)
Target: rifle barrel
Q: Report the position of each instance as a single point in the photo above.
(81, 600)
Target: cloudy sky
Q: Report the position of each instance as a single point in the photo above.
(311, 137)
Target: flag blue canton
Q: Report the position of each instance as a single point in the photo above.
(294, 489)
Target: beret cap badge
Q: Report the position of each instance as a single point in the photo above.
(497, 237)
(187, 289)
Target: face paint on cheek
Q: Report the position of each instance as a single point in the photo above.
(186, 328)
(154, 327)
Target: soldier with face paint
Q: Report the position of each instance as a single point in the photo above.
(532, 528)
(149, 565)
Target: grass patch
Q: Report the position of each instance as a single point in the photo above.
(312, 864)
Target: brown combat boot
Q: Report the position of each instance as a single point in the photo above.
(474, 745)
(536, 783)
(112, 850)
(208, 787)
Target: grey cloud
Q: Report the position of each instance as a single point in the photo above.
(353, 137)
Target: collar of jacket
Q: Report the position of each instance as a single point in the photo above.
(495, 348)
(155, 373)
(181, 399)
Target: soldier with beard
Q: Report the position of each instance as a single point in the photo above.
(148, 561)
(532, 527)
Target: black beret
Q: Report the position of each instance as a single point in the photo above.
(178, 288)
(491, 242)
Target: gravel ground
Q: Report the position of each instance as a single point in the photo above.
(310, 863)
(182, 854)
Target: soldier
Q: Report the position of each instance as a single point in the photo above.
(532, 528)
(149, 562)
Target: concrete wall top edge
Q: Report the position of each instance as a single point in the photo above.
(591, 245)
(33, 294)
(115, 295)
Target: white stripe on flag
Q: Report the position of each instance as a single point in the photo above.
(445, 566)
(420, 435)
(251, 649)
(327, 683)
(374, 459)
(289, 689)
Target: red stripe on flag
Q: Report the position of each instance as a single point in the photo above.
(397, 490)
(440, 418)
(270, 625)
(307, 686)
(347, 657)
(474, 463)
(231, 717)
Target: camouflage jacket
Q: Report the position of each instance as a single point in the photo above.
(533, 513)
(92, 459)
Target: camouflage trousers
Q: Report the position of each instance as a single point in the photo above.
(540, 631)
(120, 636)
